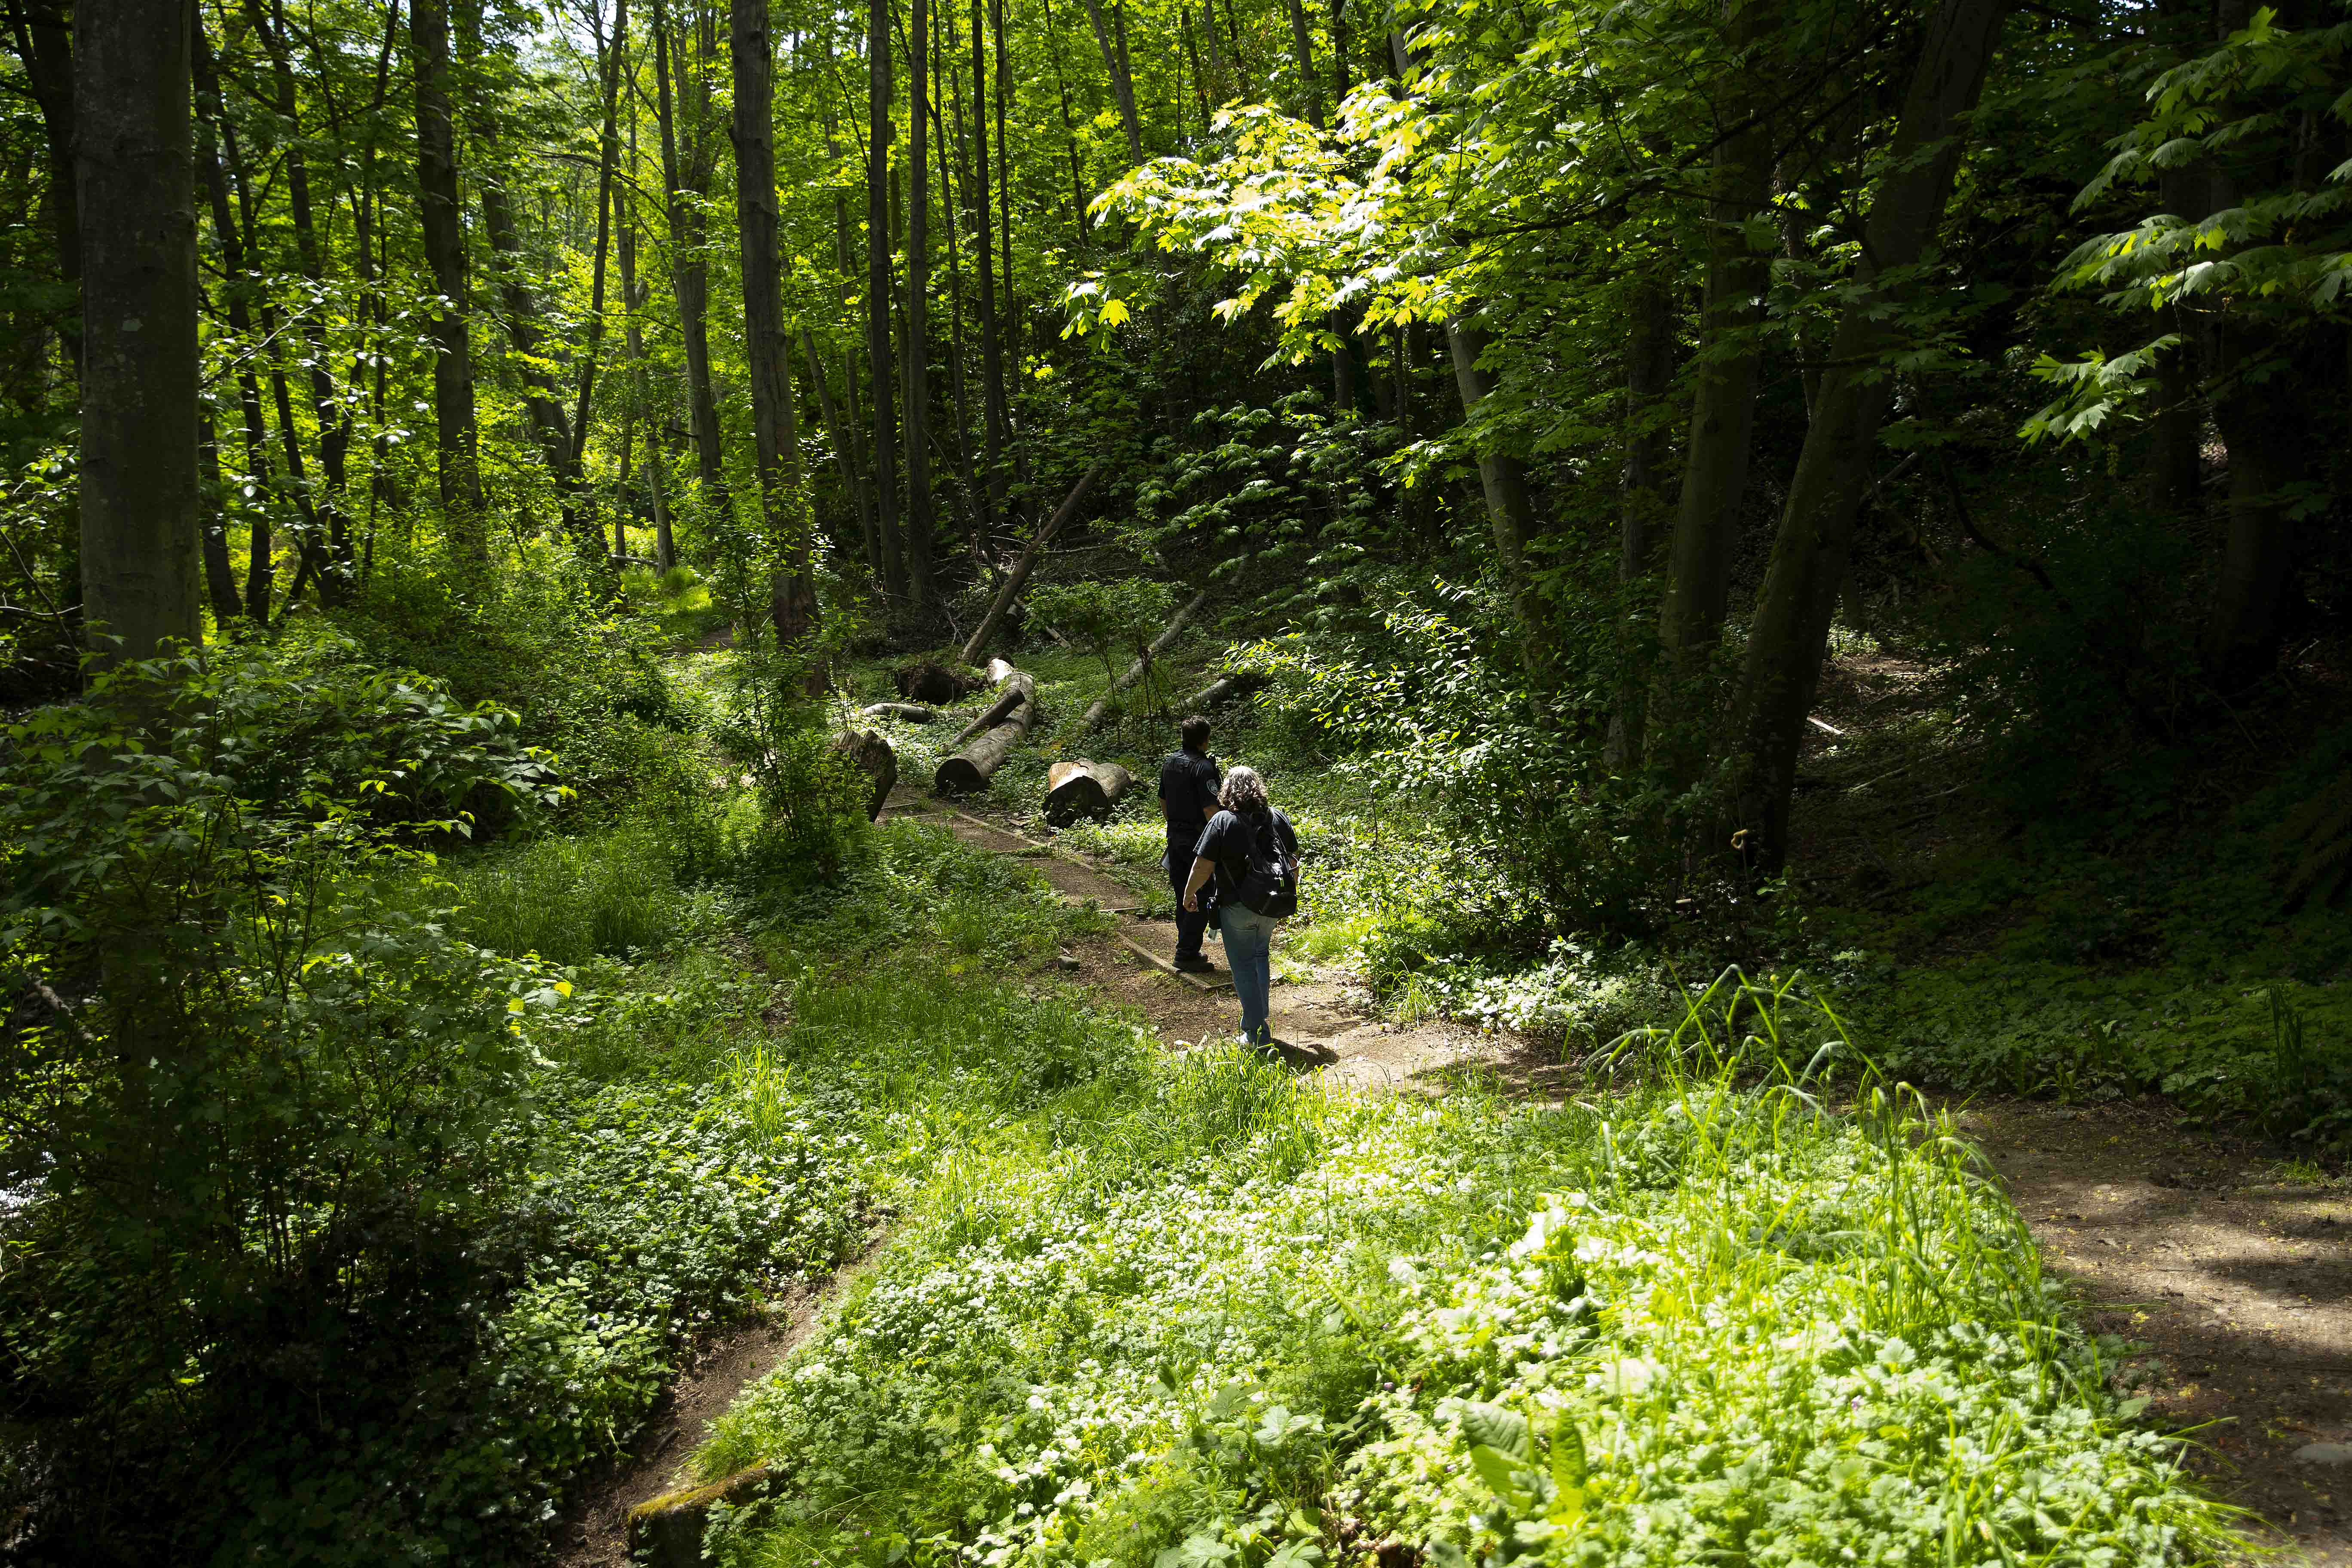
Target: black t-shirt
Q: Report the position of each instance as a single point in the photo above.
(1227, 840)
(1188, 789)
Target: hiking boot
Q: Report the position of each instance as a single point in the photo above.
(1198, 963)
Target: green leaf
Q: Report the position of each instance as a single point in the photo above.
(1498, 1427)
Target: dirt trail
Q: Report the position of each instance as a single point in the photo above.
(2238, 1284)
(2234, 1290)
(594, 1529)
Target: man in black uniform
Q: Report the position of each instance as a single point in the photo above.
(1188, 798)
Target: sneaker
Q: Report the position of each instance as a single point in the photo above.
(1195, 965)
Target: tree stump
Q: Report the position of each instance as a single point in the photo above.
(1083, 789)
(875, 759)
(932, 683)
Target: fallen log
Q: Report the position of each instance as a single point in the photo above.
(1094, 715)
(872, 756)
(667, 1532)
(1083, 789)
(1225, 686)
(1015, 687)
(912, 712)
(969, 769)
(1010, 586)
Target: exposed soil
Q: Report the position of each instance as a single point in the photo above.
(595, 1530)
(2233, 1289)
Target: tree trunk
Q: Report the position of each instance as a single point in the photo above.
(1007, 590)
(992, 347)
(1723, 410)
(793, 602)
(336, 570)
(879, 368)
(871, 755)
(220, 578)
(1649, 370)
(916, 347)
(1302, 45)
(1225, 686)
(1122, 88)
(906, 712)
(457, 467)
(837, 437)
(260, 569)
(688, 181)
(1504, 480)
(633, 302)
(2265, 424)
(1790, 633)
(134, 161)
(43, 36)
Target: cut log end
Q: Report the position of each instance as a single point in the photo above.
(1083, 789)
(872, 755)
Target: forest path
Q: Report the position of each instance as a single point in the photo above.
(1323, 1020)
(2239, 1286)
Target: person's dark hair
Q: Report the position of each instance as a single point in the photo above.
(1195, 730)
(1243, 791)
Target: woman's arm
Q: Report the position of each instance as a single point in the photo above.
(1202, 870)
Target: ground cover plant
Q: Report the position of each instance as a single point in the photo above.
(1218, 1317)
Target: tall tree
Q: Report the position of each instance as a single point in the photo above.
(687, 182)
(992, 347)
(236, 285)
(1510, 509)
(916, 348)
(879, 94)
(1303, 48)
(1113, 46)
(1790, 632)
(782, 501)
(1723, 408)
(457, 454)
(134, 165)
(42, 35)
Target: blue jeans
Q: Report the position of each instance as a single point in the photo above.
(1249, 950)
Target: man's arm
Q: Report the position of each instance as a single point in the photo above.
(1202, 870)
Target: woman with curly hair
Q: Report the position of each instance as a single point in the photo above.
(1251, 851)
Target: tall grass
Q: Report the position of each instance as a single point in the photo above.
(570, 899)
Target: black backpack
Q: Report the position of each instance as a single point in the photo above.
(1269, 878)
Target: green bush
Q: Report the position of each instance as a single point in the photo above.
(570, 899)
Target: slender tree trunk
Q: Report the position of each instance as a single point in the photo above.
(1340, 44)
(951, 179)
(43, 36)
(1004, 196)
(607, 159)
(918, 345)
(792, 599)
(1121, 87)
(1723, 410)
(458, 465)
(1504, 478)
(220, 578)
(688, 181)
(837, 433)
(634, 295)
(1790, 632)
(1302, 44)
(1234, 38)
(1649, 370)
(236, 283)
(992, 348)
(134, 161)
(335, 572)
(880, 93)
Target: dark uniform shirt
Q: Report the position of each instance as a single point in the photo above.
(1188, 792)
(1226, 843)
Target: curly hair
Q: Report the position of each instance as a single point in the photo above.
(1243, 791)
